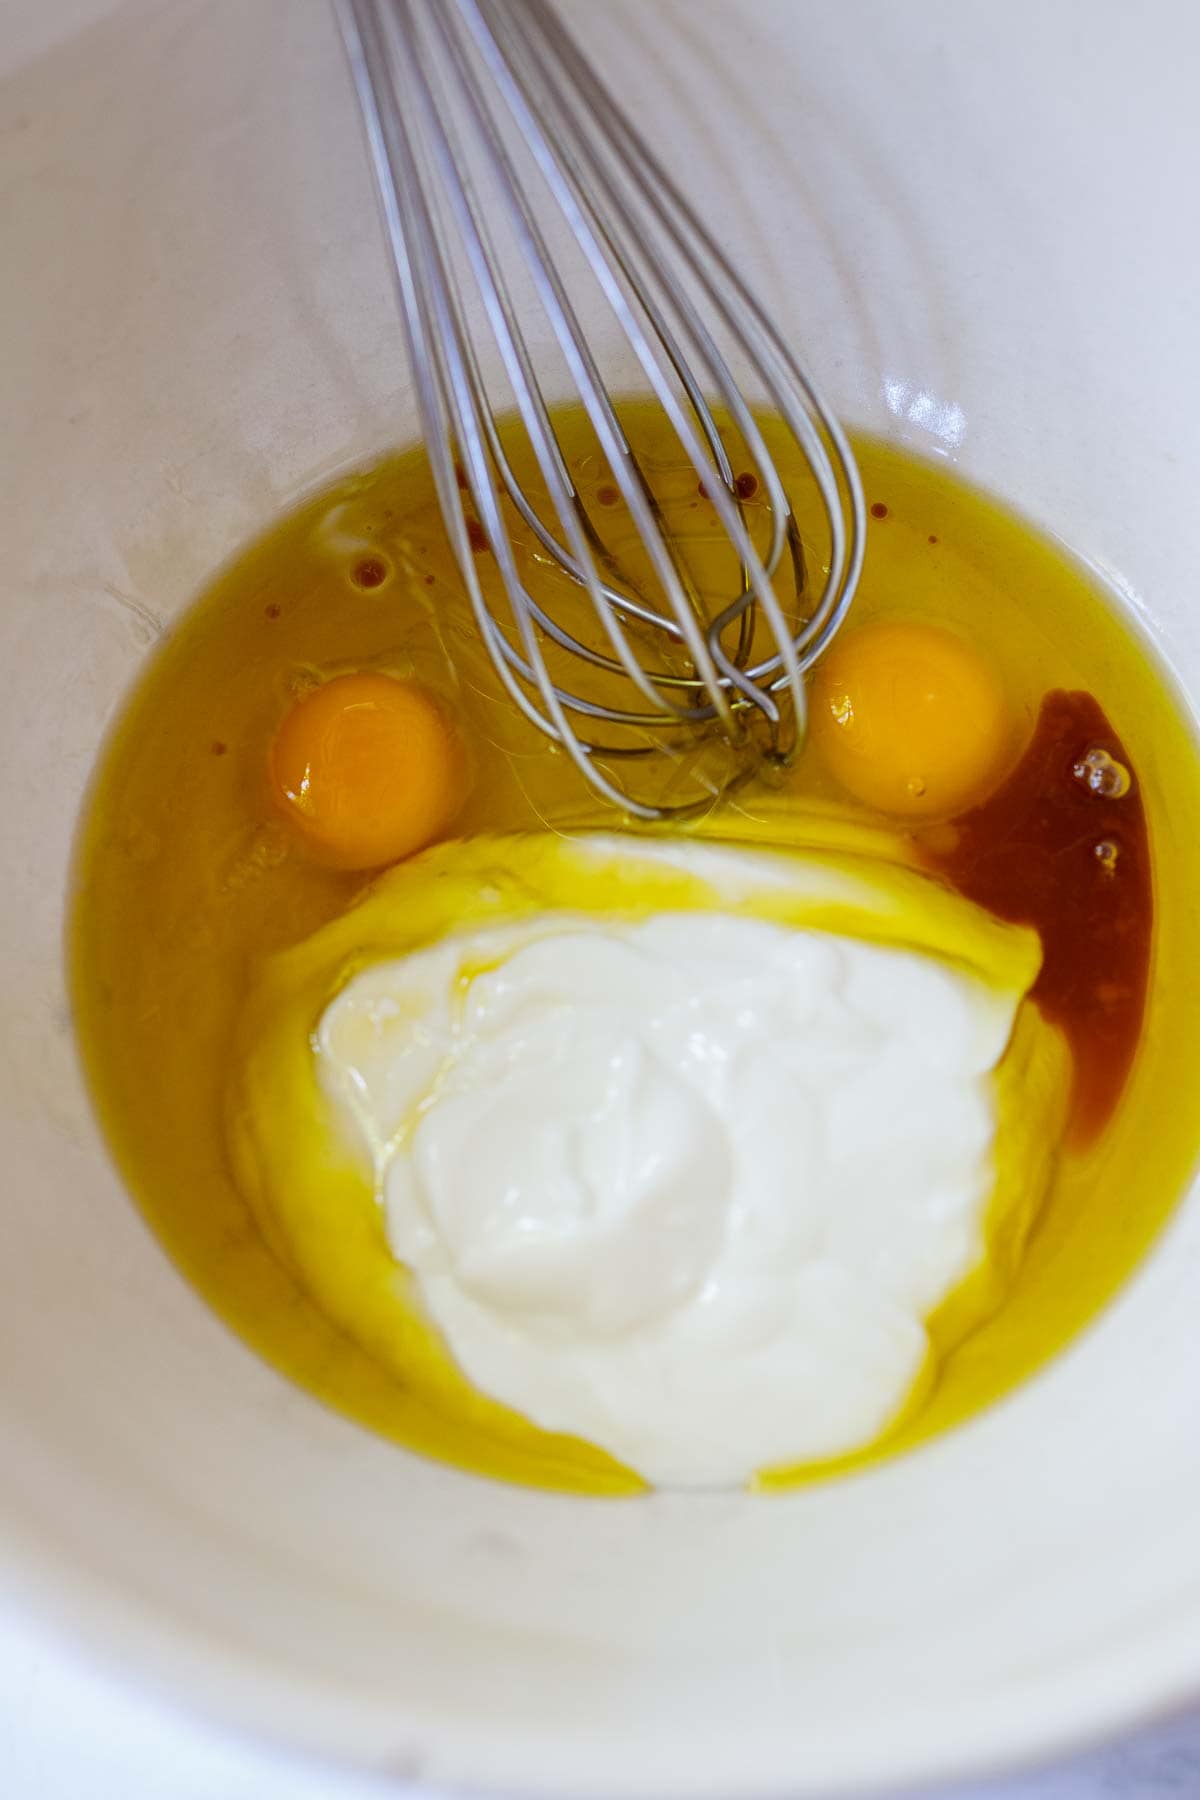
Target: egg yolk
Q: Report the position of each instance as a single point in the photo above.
(910, 719)
(367, 768)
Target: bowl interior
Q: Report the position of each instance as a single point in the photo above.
(201, 325)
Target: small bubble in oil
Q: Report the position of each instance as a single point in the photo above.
(915, 786)
(1106, 854)
(1103, 774)
(369, 572)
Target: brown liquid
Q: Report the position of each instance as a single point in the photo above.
(1049, 850)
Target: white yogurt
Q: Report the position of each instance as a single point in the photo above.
(685, 1188)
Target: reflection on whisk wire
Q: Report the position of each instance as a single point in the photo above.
(508, 177)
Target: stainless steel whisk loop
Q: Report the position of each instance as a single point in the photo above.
(508, 175)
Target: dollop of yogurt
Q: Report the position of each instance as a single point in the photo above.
(685, 1187)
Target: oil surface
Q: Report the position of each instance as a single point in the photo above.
(186, 878)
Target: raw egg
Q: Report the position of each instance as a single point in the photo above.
(367, 768)
(910, 719)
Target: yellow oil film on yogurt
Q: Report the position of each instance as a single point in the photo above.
(681, 1153)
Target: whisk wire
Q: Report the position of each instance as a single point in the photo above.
(556, 107)
(576, 196)
(445, 87)
(530, 399)
(767, 353)
(431, 349)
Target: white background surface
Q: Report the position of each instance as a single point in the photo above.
(67, 1732)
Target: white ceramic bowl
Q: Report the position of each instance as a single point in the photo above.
(976, 220)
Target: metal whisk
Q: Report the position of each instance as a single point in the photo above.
(508, 174)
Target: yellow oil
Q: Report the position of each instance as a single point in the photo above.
(186, 880)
